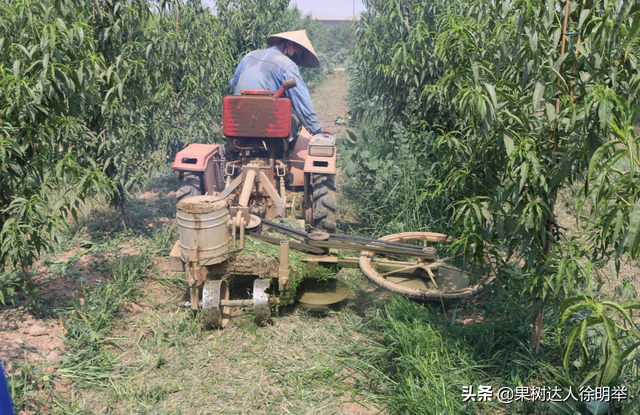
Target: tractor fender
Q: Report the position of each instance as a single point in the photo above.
(200, 158)
(302, 162)
(320, 165)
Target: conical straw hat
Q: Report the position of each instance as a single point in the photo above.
(309, 59)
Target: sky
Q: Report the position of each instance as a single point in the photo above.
(320, 8)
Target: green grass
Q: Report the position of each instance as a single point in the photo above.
(418, 361)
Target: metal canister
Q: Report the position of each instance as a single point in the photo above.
(202, 222)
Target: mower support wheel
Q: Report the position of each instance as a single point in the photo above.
(190, 185)
(261, 300)
(215, 314)
(324, 202)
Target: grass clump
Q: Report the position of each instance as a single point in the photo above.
(419, 358)
(412, 365)
(87, 328)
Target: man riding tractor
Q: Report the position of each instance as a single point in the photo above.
(266, 146)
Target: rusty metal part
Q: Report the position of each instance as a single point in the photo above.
(249, 183)
(319, 236)
(448, 279)
(446, 292)
(279, 200)
(240, 225)
(230, 303)
(409, 281)
(214, 312)
(425, 236)
(202, 222)
(373, 246)
(322, 145)
(286, 84)
(314, 293)
(285, 228)
(254, 223)
(196, 275)
(293, 207)
(261, 300)
(284, 272)
(250, 175)
(357, 243)
(175, 260)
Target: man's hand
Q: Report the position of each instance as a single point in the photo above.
(327, 131)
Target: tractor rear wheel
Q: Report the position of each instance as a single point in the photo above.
(191, 184)
(324, 202)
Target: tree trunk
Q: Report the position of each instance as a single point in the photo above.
(121, 213)
(27, 279)
(536, 331)
(126, 207)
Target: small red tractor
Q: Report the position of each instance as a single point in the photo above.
(258, 165)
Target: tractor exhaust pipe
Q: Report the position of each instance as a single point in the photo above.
(286, 84)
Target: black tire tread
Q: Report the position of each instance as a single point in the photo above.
(324, 202)
(190, 185)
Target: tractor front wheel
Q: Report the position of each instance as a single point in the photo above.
(190, 185)
(324, 202)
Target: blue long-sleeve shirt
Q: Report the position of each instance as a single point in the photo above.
(265, 70)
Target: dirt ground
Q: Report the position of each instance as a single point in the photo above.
(330, 103)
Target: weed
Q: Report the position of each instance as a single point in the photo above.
(27, 385)
(88, 360)
(162, 240)
(12, 287)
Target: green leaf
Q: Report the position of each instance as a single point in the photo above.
(604, 113)
(634, 232)
(597, 407)
(564, 408)
(524, 174)
(551, 112)
(16, 68)
(538, 93)
(568, 311)
(630, 305)
(620, 309)
(571, 339)
(630, 350)
(583, 16)
(633, 407)
(508, 143)
(595, 159)
(492, 93)
(612, 363)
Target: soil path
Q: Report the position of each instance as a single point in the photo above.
(330, 103)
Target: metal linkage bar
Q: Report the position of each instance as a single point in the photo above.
(356, 243)
(285, 228)
(428, 255)
(334, 236)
